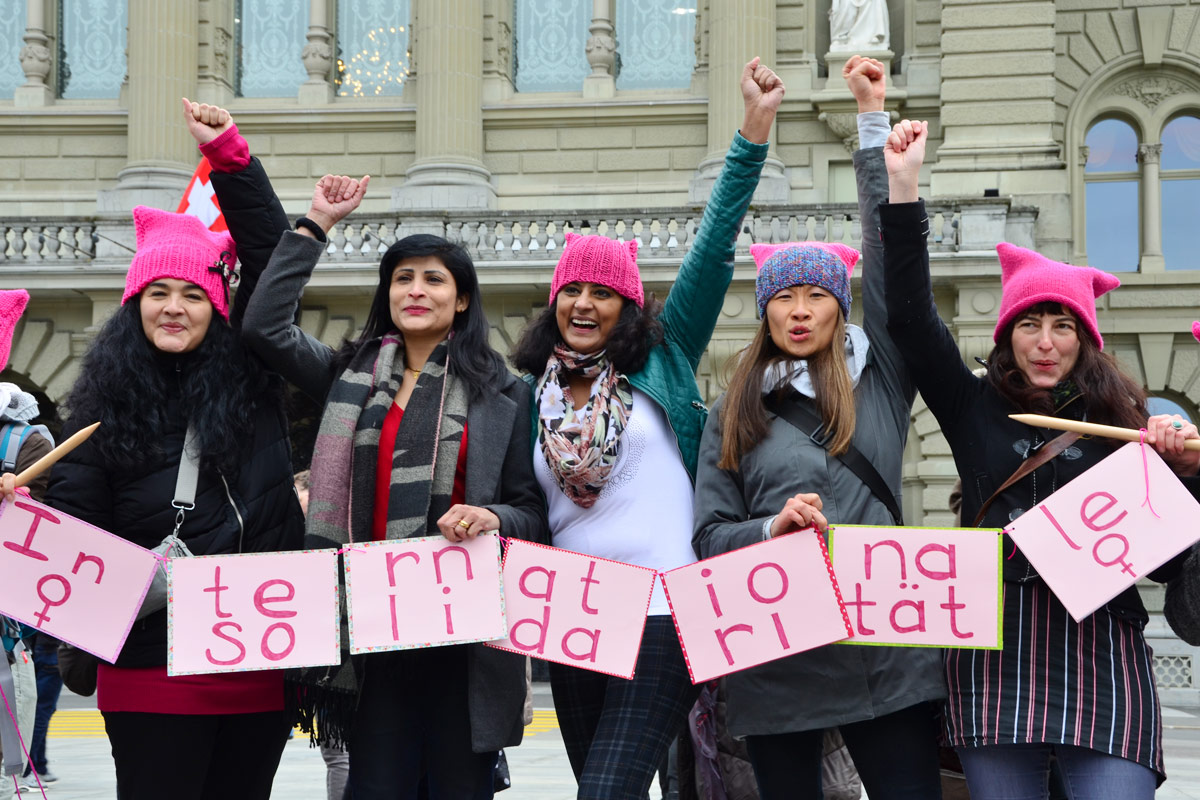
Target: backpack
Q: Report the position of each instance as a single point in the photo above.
(12, 438)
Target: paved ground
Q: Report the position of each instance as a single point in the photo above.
(79, 755)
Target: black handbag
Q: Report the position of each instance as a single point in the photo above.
(78, 669)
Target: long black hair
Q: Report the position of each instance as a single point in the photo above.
(472, 358)
(637, 332)
(125, 383)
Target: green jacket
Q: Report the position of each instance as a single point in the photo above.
(694, 303)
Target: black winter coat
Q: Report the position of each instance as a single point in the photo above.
(258, 512)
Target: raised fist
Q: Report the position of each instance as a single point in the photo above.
(762, 92)
(867, 79)
(205, 122)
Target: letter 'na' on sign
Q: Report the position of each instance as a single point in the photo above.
(574, 609)
(1120, 520)
(756, 604)
(920, 587)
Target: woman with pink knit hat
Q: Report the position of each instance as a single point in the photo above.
(168, 373)
(1080, 692)
(811, 431)
(617, 419)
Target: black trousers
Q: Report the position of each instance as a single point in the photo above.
(195, 756)
(413, 721)
(896, 756)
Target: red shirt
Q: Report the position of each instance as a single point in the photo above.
(383, 471)
(150, 690)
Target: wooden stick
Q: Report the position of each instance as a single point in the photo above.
(47, 461)
(1091, 428)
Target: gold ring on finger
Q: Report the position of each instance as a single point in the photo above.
(462, 523)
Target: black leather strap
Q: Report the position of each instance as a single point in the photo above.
(792, 410)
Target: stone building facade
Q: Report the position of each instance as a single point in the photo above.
(505, 123)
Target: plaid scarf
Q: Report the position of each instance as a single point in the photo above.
(582, 454)
(342, 497)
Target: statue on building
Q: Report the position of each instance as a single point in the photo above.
(856, 25)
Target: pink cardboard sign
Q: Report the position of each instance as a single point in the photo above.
(253, 611)
(70, 579)
(574, 609)
(1095, 536)
(423, 592)
(756, 604)
(920, 587)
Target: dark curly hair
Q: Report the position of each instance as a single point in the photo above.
(637, 332)
(123, 383)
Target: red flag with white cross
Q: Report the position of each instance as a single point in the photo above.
(200, 199)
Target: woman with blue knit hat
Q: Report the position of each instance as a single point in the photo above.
(809, 392)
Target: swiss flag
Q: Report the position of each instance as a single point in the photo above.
(200, 199)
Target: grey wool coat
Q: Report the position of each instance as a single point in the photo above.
(835, 684)
(499, 472)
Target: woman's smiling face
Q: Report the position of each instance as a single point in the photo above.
(586, 315)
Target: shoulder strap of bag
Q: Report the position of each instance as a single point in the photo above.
(189, 476)
(14, 435)
(801, 417)
(1047, 451)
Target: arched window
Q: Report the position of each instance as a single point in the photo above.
(1180, 176)
(1160, 404)
(1111, 194)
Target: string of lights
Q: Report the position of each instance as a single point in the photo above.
(369, 72)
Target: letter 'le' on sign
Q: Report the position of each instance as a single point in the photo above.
(72, 580)
(235, 613)
(1095, 536)
(935, 587)
(423, 592)
(756, 604)
(574, 609)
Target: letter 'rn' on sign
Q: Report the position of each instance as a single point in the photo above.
(423, 592)
(1094, 537)
(574, 609)
(251, 611)
(932, 587)
(756, 604)
(70, 579)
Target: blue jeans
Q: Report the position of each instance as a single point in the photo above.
(1021, 772)
(49, 685)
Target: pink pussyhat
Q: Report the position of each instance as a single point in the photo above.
(12, 305)
(1196, 331)
(180, 246)
(1028, 278)
(599, 259)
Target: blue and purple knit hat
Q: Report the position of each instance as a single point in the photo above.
(781, 266)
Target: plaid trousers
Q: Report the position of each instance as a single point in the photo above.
(616, 731)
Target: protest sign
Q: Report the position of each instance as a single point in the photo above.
(70, 579)
(935, 587)
(1094, 537)
(423, 592)
(574, 609)
(756, 604)
(242, 612)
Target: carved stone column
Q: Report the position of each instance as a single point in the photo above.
(1149, 156)
(738, 30)
(317, 56)
(35, 59)
(163, 36)
(601, 52)
(448, 171)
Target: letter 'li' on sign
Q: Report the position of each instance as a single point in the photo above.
(1095, 536)
(72, 580)
(235, 613)
(932, 587)
(423, 592)
(756, 604)
(574, 609)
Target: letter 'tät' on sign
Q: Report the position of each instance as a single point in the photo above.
(933, 587)
(574, 609)
(70, 579)
(235, 613)
(755, 605)
(1094, 537)
(423, 592)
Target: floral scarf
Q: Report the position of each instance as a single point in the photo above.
(581, 453)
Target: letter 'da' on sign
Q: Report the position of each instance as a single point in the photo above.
(756, 604)
(920, 587)
(574, 609)
(252, 611)
(424, 592)
(70, 579)
(1094, 537)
